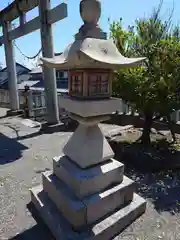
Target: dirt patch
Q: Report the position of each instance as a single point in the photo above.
(160, 155)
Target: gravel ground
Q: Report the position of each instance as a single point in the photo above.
(21, 163)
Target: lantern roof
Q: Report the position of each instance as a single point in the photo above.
(91, 53)
(91, 49)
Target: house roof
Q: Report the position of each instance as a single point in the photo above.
(4, 74)
(35, 83)
(62, 86)
(36, 70)
(17, 64)
(59, 90)
(30, 83)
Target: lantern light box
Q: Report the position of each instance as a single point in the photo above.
(90, 83)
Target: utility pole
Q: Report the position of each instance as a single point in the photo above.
(11, 67)
(49, 74)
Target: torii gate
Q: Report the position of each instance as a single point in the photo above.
(44, 21)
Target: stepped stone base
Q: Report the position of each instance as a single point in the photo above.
(88, 210)
(84, 182)
(104, 229)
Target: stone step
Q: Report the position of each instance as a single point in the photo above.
(84, 182)
(105, 229)
(90, 209)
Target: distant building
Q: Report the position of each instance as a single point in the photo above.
(22, 75)
(33, 78)
(36, 75)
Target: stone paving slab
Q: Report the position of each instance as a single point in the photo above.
(3, 111)
(111, 130)
(30, 123)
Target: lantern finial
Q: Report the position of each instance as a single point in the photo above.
(90, 11)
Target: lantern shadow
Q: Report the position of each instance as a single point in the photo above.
(50, 130)
(155, 170)
(40, 229)
(44, 233)
(11, 150)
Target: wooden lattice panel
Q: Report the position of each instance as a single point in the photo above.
(76, 83)
(98, 84)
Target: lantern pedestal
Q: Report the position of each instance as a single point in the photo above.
(88, 147)
(90, 108)
(87, 196)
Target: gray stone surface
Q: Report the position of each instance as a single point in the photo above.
(84, 182)
(95, 108)
(98, 205)
(90, 209)
(88, 146)
(72, 208)
(106, 229)
(23, 160)
(111, 130)
(31, 123)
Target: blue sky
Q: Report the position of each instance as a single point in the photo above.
(64, 30)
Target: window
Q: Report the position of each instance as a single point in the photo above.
(60, 74)
(65, 74)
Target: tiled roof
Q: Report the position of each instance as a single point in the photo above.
(17, 64)
(62, 86)
(29, 83)
(4, 74)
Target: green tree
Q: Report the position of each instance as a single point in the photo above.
(153, 88)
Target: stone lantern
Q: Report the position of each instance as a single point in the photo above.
(87, 195)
